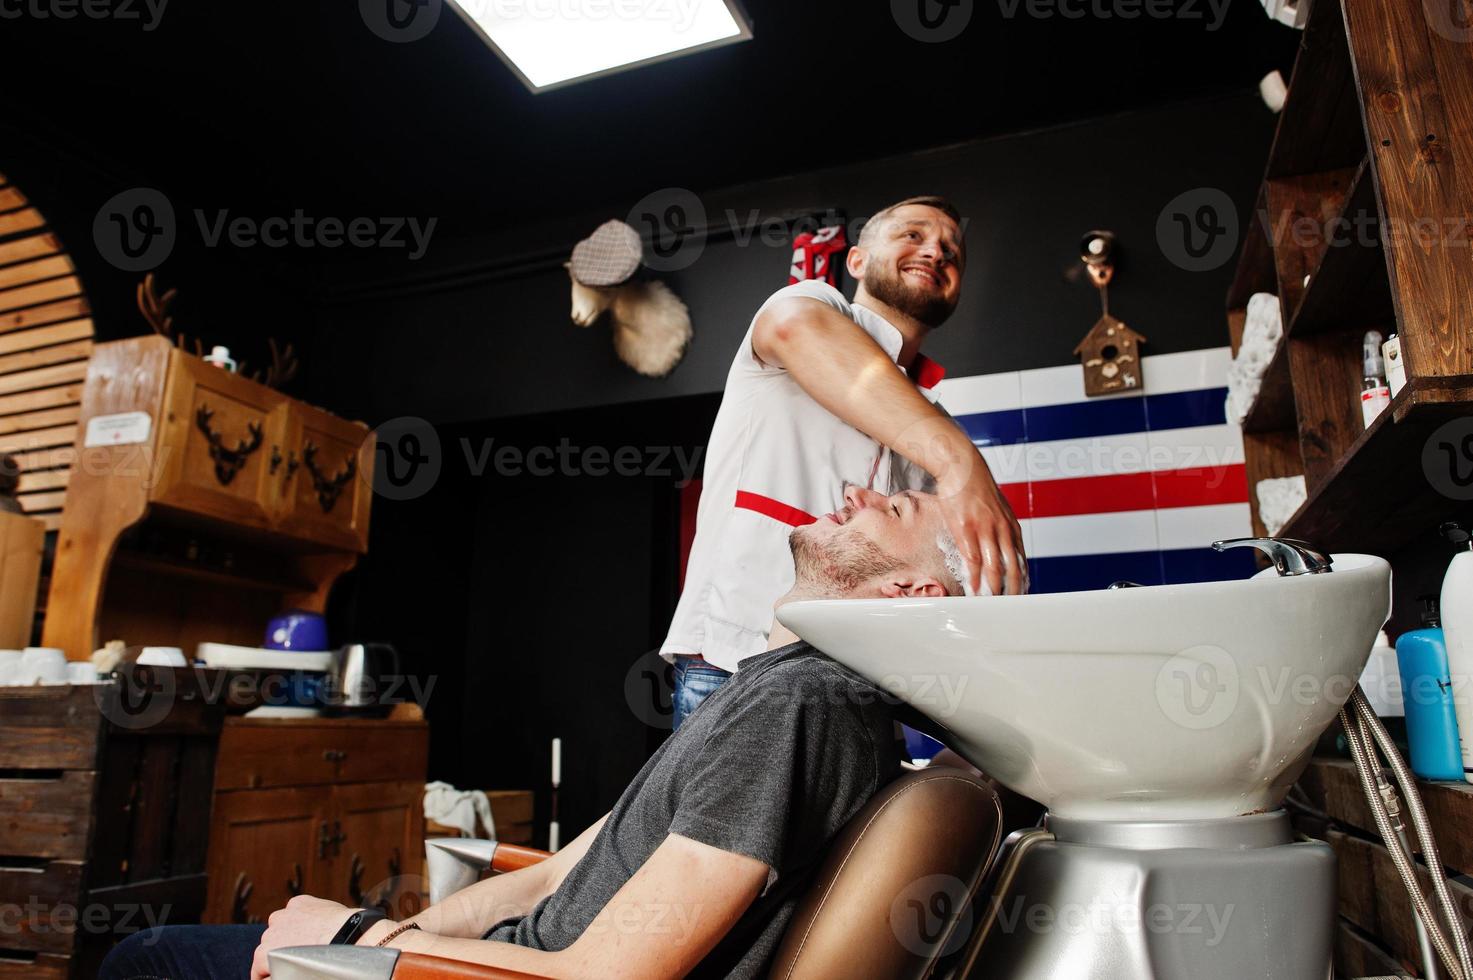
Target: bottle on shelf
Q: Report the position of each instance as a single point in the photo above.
(1456, 603)
(1374, 395)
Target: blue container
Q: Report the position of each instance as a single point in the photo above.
(1427, 694)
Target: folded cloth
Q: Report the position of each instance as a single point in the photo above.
(459, 808)
(1278, 499)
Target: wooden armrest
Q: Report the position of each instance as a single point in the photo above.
(418, 966)
(514, 857)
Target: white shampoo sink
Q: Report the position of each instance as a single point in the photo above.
(1152, 703)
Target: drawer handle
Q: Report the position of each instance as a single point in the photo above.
(334, 755)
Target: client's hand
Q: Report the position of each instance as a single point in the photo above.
(306, 921)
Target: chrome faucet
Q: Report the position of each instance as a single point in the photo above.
(1289, 556)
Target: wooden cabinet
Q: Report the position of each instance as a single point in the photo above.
(325, 807)
(216, 440)
(324, 496)
(208, 504)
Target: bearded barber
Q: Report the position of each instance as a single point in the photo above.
(825, 393)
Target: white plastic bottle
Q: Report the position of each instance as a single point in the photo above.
(1457, 633)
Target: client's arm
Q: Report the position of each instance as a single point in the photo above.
(471, 911)
(310, 921)
(662, 923)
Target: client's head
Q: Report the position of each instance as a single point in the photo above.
(877, 547)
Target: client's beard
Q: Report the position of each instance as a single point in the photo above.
(892, 289)
(837, 566)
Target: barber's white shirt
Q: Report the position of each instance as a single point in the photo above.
(776, 460)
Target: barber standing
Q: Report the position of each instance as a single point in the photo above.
(824, 393)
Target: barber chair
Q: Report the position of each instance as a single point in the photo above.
(912, 859)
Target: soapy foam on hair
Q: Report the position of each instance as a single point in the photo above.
(951, 556)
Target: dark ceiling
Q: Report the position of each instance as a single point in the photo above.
(261, 107)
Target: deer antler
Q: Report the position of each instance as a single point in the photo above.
(283, 365)
(155, 308)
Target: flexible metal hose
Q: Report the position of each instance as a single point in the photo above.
(1360, 750)
(1422, 825)
(1364, 732)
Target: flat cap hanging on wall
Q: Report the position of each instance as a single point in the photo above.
(608, 257)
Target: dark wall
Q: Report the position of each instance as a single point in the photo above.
(484, 342)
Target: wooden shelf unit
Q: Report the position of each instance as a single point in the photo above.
(233, 503)
(1363, 222)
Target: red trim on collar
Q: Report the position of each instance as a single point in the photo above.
(775, 509)
(928, 373)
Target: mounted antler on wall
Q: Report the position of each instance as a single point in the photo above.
(156, 310)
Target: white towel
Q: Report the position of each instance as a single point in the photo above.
(1263, 328)
(459, 808)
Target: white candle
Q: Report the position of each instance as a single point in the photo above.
(557, 761)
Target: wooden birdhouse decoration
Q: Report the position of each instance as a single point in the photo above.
(1110, 353)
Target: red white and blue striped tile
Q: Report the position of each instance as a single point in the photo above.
(1131, 486)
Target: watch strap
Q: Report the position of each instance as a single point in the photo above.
(358, 923)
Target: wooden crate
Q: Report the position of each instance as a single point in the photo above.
(104, 814)
(511, 810)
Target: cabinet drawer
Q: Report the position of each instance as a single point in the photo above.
(256, 755)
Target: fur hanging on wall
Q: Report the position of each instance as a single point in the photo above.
(651, 325)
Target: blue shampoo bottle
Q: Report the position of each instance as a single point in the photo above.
(1427, 694)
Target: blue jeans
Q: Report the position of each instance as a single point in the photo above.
(695, 681)
(184, 953)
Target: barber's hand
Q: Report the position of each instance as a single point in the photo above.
(306, 921)
(986, 532)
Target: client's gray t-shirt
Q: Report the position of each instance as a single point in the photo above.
(771, 766)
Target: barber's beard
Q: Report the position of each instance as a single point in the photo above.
(836, 566)
(893, 289)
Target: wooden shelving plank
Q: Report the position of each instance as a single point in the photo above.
(1376, 498)
(1350, 287)
(1273, 408)
(1331, 785)
(1320, 125)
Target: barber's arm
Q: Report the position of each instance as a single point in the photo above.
(844, 370)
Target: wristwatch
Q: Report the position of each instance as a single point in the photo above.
(358, 923)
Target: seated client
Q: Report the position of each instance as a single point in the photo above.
(700, 864)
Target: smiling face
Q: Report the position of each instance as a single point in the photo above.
(875, 546)
(911, 258)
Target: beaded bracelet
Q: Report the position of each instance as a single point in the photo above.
(394, 932)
